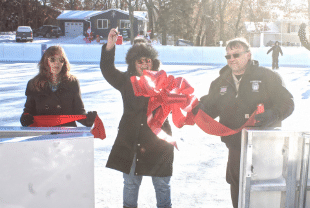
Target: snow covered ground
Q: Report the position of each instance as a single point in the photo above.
(199, 169)
(9, 37)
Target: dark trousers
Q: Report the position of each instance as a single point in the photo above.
(275, 62)
(232, 175)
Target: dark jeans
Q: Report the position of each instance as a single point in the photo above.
(275, 62)
(232, 175)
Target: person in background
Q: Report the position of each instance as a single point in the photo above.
(241, 86)
(137, 151)
(302, 36)
(276, 49)
(139, 39)
(54, 91)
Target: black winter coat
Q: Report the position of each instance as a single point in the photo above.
(275, 51)
(66, 100)
(154, 155)
(258, 85)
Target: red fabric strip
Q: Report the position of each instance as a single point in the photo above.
(98, 130)
(211, 126)
(55, 120)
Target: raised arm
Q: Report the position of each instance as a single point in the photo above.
(112, 37)
(270, 50)
(115, 77)
(302, 36)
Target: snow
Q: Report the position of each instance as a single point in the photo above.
(78, 51)
(198, 179)
(77, 15)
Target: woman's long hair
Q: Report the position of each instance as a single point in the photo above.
(43, 76)
(137, 51)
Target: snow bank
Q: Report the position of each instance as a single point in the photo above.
(90, 53)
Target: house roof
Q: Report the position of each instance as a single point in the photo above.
(77, 14)
(85, 15)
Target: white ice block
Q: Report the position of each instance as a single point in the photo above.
(50, 171)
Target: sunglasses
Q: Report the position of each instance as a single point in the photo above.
(53, 59)
(141, 61)
(235, 55)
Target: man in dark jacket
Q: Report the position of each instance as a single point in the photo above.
(276, 49)
(234, 96)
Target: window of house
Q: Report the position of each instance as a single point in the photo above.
(125, 24)
(102, 24)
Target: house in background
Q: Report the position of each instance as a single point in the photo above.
(76, 22)
(267, 32)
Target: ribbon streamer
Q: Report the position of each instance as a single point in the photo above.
(211, 126)
(55, 120)
(168, 94)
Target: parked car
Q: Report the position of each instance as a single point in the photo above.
(48, 31)
(24, 33)
(182, 42)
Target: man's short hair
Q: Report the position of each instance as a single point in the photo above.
(237, 42)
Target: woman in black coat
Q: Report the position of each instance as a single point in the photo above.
(54, 91)
(137, 151)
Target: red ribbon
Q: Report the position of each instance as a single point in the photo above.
(55, 120)
(211, 126)
(168, 94)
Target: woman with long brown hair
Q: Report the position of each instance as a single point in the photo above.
(54, 91)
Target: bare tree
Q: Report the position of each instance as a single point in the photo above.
(131, 18)
(237, 29)
(222, 12)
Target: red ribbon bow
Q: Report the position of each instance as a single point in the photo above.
(167, 94)
(55, 120)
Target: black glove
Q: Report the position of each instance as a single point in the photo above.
(90, 118)
(26, 119)
(196, 109)
(266, 119)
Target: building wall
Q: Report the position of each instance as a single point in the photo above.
(113, 22)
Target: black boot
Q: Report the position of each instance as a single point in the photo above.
(130, 207)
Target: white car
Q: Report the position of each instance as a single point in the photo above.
(24, 33)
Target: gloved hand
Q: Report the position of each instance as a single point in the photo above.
(26, 119)
(266, 119)
(90, 118)
(196, 109)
